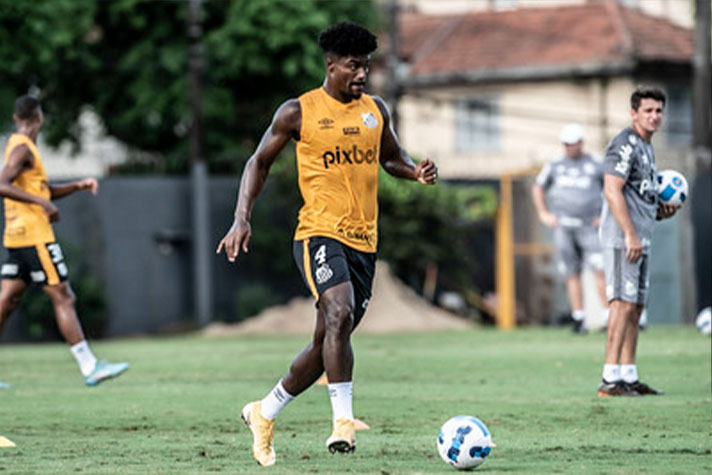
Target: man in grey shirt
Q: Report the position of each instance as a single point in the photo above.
(572, 185)
(629, 213)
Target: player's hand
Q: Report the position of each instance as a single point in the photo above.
(89, 184)
(237, 237)
(596, 222)
(51, 211)
(426, 172)
(633, 247)
(666, 211)
(549, 219)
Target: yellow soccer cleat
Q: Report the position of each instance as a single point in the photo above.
(262, 433)
(343, 439)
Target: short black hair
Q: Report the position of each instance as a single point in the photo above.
(646, 92)
(347, 39)
(26, 107)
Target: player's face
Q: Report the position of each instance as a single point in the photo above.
(574, 150)
(350, 74)
(649, 115)
(39, 118)
(35, 122)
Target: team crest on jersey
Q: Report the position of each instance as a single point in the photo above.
(632, 139)
(369, 120)
(323, 273)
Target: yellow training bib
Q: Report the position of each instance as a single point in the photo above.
(337, 160)
(26, 224)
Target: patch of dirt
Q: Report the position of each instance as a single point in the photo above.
(394, 308)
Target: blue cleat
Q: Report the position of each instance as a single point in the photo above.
(4, 385)
(105, 370)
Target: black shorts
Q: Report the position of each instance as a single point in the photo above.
(41, 264)
(325, 262)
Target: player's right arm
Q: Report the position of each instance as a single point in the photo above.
(285, 125)
(21, 159)
(613, 191)
(539, 198)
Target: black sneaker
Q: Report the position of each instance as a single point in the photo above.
(618, 388)
(644, 390)
(579, 327)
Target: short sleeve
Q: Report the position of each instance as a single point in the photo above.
(619, 157)
(544, 177)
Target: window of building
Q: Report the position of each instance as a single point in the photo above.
(476, 125)
(678, 116)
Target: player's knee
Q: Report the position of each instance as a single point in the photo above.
(64, 296)
(339, 318)
(8, 303)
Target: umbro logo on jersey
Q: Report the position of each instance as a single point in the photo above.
(326, 123)
(352, 131)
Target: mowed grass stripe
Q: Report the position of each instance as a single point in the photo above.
(177, 408)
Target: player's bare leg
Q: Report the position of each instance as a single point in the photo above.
(630, 339)
(600, 279)
(11, 291)
(629, 369)
(259, 416)
(621, 313)
(574, 290)
(63, 301)
(338, 363)
(308, 366)
(93, 370)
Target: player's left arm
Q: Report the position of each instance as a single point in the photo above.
(61, 190)
(395, 160)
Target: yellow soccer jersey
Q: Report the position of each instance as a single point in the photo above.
(337, 159)
(26, 224)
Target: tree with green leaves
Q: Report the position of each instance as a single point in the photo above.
(128, 61)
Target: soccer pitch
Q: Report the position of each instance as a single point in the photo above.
(177, 408)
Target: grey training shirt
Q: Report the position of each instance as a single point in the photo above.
(573, 188)
(628, 156)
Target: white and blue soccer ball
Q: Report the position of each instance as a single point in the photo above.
(672, 187)
(464, 442)
(703, 322)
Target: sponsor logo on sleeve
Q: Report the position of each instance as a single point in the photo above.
(624, 152)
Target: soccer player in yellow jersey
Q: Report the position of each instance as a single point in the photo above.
(342, 135)
(33, 255)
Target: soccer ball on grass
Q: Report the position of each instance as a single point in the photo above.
(704, 321)
(464, 442)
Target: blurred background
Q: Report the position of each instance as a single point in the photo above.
(164, 101)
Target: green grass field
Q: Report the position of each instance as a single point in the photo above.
(177, 409)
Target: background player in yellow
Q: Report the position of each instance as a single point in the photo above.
(33, 255)
(342, 136)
